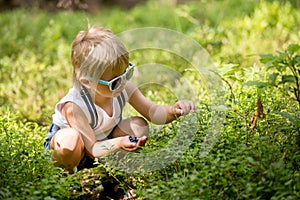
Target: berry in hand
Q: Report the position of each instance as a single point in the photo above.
(133, 139)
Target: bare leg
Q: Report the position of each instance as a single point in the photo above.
(68, 148)
(136, 126)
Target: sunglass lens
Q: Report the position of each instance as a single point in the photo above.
(129, 73)
(116, 84)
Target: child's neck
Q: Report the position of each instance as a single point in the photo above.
(106, 104)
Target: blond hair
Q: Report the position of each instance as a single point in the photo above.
(93, 51)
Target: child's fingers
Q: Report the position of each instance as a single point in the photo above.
(142, 141)
(178, 111)
(127, 145)
(193, 107)
(132, 146)
(184, 107)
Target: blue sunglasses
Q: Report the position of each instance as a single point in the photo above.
(117, 82)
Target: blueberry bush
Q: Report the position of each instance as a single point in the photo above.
(255, 47)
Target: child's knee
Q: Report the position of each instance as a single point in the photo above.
(139, 121)
(68, 148)
(68, 140)
(139, 126)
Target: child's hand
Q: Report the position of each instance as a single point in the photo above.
(183, 107)
(128, 145)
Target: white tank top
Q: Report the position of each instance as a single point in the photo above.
(99, 120)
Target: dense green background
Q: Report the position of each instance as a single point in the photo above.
(262, 163)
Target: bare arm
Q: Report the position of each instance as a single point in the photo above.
(77, 120)
(156, 113)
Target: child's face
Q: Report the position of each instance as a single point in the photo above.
(108, 75)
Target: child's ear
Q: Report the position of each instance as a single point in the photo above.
(84, 81)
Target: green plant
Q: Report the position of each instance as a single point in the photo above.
(286, 70)
(244, 163)
(26, 171)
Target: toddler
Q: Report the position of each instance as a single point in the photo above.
(88, 122)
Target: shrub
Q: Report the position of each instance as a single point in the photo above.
(26, 171)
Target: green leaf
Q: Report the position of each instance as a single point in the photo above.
(287, 79)
(267, 58)
(251, 160)
(257, 84)
(292, 48)
(273, 77)
(290, 117)
(228, 69)
(297, 60)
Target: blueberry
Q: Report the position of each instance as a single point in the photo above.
(133, 139)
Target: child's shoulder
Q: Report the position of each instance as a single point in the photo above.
(73, 96)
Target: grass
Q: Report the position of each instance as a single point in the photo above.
(243, 163)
